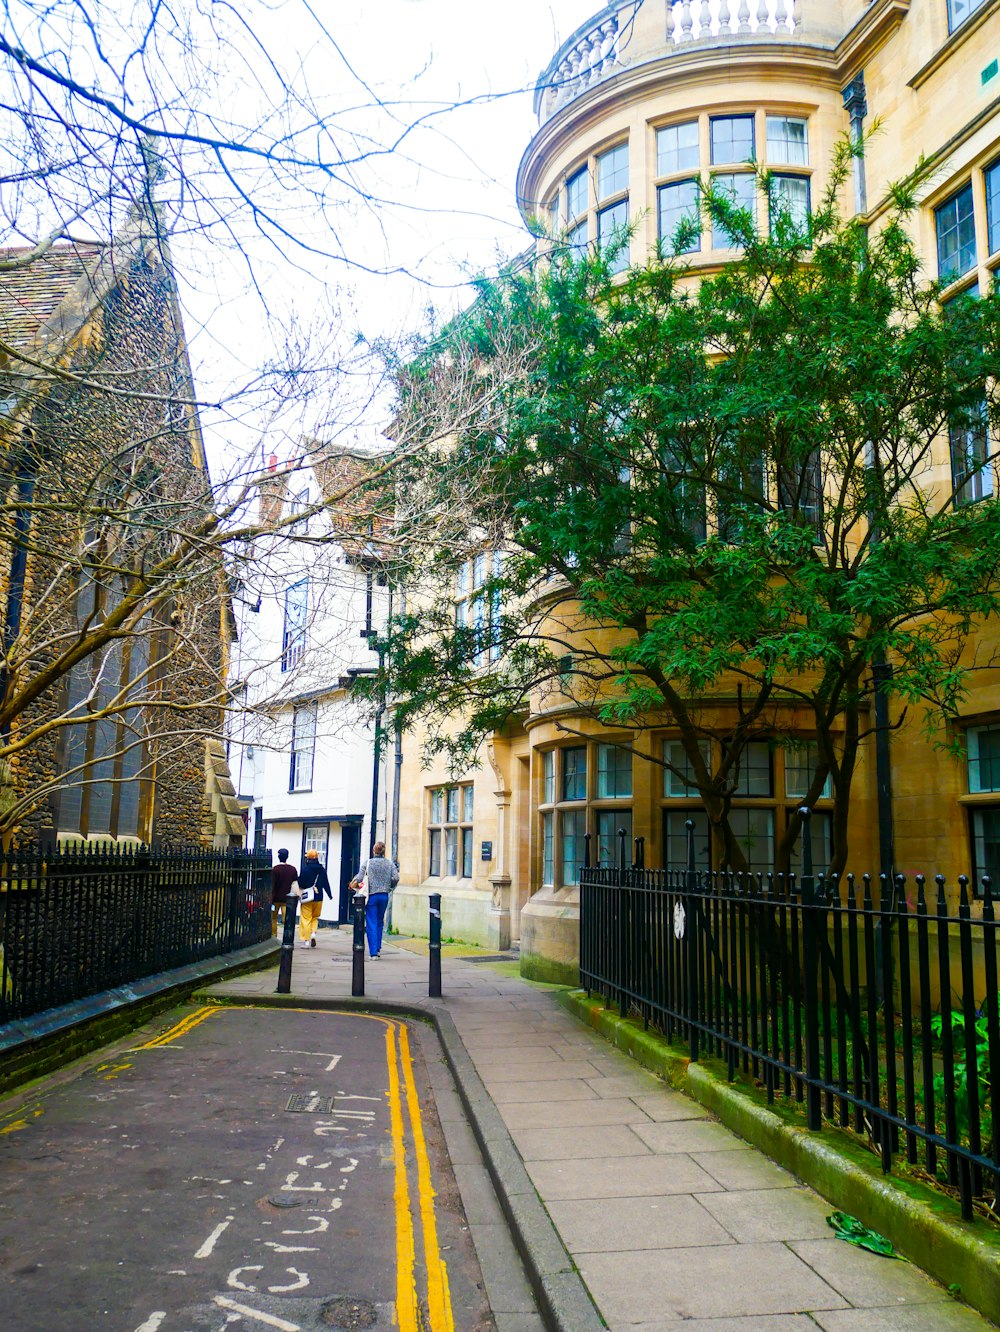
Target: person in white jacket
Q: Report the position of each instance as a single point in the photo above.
(382, 876)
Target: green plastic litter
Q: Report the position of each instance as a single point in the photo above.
(850, 1228)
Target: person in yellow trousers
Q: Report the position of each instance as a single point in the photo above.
(313, 885)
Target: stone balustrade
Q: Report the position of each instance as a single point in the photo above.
(600, 50)
(586, 62)
(691, 20)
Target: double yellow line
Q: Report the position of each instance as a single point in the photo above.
(438, 1293)
(181, 1028)
(401, 1083)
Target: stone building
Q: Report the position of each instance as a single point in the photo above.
(115, 629)
(636, 105)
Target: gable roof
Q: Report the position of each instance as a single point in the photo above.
(30, 295)
(45, 302)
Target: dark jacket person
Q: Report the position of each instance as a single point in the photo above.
(313, 885)
(283, 876)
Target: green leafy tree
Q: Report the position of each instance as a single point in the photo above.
(705, 486)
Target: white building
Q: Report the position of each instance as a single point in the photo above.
(308, 606)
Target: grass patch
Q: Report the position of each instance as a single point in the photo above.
(454, 948)
(514, 969)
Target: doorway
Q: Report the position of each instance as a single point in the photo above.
(350, 863)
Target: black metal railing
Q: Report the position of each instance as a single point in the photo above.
(871, 1001)
(78, 921)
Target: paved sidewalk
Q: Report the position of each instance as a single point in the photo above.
(669, 1216)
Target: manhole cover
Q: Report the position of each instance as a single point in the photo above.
(348, 1314)
(279, 1201)
(309, 1104)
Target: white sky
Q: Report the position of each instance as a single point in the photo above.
(449, 207)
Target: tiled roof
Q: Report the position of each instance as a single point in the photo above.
(30, 295)
(364, 516)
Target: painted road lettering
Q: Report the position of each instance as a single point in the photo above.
(213, 1135)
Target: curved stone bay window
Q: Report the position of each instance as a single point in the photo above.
(771, 784)
(586, 788)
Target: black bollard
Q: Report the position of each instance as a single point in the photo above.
(287, 947)
(358, 969)
(434, 948)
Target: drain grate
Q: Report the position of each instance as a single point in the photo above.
(493, 957)
(308, 1103)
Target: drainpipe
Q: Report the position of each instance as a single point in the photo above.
(398, 760)
(856, 105)
(379, 733)
(376, 763)
(397, 776)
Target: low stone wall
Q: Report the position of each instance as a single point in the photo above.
(466, 914)
(550, 941)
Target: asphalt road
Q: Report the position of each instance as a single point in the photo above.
(239, 1168)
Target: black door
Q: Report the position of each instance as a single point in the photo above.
(350, 863)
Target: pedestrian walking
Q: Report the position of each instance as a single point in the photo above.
(382, 876)
(313, 885)
(283, 876)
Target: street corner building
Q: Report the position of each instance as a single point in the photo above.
(641, 104)
(310, 599)
(116, 620)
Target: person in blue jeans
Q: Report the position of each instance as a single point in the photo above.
(382, 876)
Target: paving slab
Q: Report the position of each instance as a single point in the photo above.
(666, 1105)
(573, 1114)
(503, 1040)
(449, 1104)
(748, 1280)
(943, 1317)
(633, 1177)
(489, 1060)
(777, 1323)
(867, 1278)
(686, 1135)
(623, 1084)
(756, 1215)
(581, 1143)
(495, 1072)
(568, 1089)
(609, 1225)
(745, 1168)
